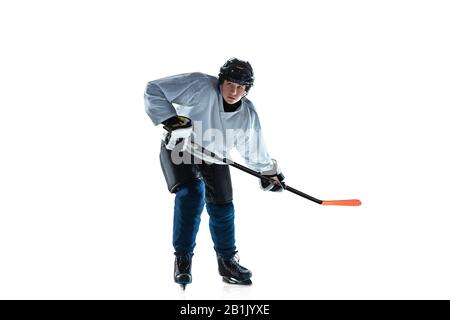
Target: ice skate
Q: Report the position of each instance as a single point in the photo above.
(232, 272)
(182, 270)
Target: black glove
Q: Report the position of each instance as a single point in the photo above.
(177, 129)
(276, 179)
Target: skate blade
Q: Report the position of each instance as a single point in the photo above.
(234, 281)
(183, 286)
(183, 279)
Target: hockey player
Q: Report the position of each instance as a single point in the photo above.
(214, 113)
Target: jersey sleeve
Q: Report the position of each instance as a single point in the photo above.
(161, 95)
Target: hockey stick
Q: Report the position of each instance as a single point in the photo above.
(349, 202)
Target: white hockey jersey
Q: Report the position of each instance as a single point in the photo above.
(197, 96)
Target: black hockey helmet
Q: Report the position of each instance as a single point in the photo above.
(237, 71)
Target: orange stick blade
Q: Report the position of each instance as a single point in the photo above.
(350, 202)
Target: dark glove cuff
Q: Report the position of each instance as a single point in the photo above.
(171, 121)
(177, 122)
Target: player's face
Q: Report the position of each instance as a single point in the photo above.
(232, 92)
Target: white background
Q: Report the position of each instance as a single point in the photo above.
(353, 99)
